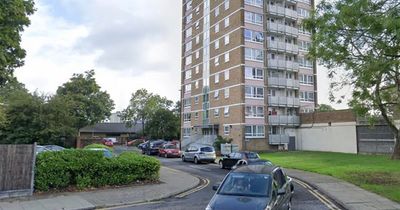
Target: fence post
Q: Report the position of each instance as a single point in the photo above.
(33, 167)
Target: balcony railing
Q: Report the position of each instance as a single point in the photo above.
(278, 139)
(281, 28)
(283, 101)
(283, 82)
(283, 64)
(282, 46)
(283, 120)
(281, 11)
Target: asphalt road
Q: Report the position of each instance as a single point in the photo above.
(302, 198)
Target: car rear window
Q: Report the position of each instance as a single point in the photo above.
(207, 149)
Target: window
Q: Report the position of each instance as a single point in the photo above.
(188, 32)
(303, 13)
(254, 92)
(226, 74)
(302, 30)
(226, 22)
(216, 27)
(226, 111)
(253, 36)
(188, 74)
(254, 18)
(196, 84)
(197, 25)
(226, 129)
(188, 88)
(304, 62)
(186, 117)
(216, 43)
(226, 4)
(189, 18)
(216, 94)
(254, 54)
(254, 131)
(253, 73)
(304, 45)
(197, 69)
(197, 10)
(198, 54)
(216, 78)
(186, 102)
(227, 93)
(216, 61)
(306, 79)
(216, 112)
(256, 3)
(196, 115)
(226, 39)
(306, 96)
(188, 46)
(216, 12)
(226, 57)
(254, 111)
(197, 39)
(196, 100)
(186, 132)
(188, 60)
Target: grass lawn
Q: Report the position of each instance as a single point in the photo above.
(376, 173)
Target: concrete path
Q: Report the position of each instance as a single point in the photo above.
(173, 182)
(348, 195)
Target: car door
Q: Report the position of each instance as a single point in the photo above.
(193, 152)
(282, 200)
(238, 156)
(227, 160)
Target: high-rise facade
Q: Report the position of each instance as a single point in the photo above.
(245, 71)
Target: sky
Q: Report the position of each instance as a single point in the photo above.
(131, 44)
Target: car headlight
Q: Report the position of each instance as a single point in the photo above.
(208, 207)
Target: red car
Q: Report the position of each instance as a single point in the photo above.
(169, 150)
(108, 142)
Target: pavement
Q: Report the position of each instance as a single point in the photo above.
(347, 195)
(173, 182)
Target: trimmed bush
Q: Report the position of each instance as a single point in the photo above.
(85, 168)
(98, 146)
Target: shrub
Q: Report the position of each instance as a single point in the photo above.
(98, 146)
(221, 140)
(85, 168)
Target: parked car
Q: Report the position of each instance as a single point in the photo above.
(230, 160)
(152, 147)
(169, 150)
(54, 148)
(106, 152)
(256, 187)
(142, 145)
(251, 162)
(108, 142)
(199, 153)
(40, 149)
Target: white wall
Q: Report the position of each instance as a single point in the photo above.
(339, 137)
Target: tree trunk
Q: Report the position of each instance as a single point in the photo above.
(396, 149)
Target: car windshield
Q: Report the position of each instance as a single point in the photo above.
(170, 147)
(207, 149)
(246, 184)
(252, 155)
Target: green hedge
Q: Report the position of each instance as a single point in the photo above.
(98, 146)
(83, 168)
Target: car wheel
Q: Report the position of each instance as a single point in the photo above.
(183, 159)
(166, 155)
(221, 165)
(196, 161)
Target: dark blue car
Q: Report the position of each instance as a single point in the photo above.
(256, 187)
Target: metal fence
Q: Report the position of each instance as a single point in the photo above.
(17, 170)
(376, 139)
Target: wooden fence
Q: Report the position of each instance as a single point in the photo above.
(17, 170)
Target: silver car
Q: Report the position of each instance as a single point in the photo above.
(199, 153)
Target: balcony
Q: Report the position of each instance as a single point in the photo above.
(283, 101)
(283, 64)
(284, 120)
(283, 82)
(281, 28)
(276, 10)
(278, 139)
(282, 46)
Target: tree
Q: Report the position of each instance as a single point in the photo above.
(142, 106)
(360, 40)
(163, 124)
(325, 108)
(13, 18)
(86, 102)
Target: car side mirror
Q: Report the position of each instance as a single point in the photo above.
(215, 187)
(281, 192)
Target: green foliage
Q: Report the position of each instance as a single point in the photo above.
(163, 124)
(85, 101)
(221, 140)
(85, 168)
(90, 146)
(358, 41)
(324, 108)
(13, 18)
(376, 173)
